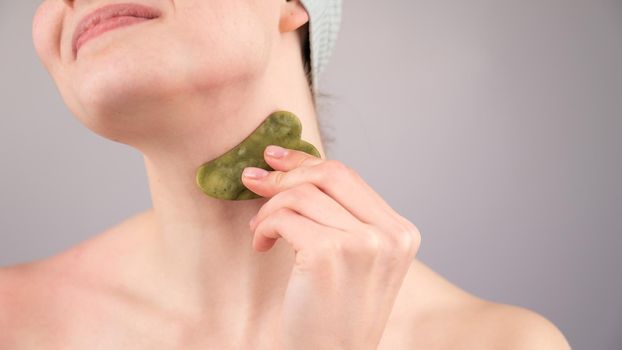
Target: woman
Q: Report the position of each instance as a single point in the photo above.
(324, 263)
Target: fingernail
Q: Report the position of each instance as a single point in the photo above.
(276, 151)
(254, 173)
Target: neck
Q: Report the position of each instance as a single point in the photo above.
(198, 253)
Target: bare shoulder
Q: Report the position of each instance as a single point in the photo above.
(432, 313)
(13, 285)
(520, 328)
(36, 295)
(7, 295)
(27, 298)
(5, 304)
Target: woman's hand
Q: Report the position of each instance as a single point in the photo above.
(352, 250)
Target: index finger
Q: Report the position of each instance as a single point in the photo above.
(289, 159)
(332, 177)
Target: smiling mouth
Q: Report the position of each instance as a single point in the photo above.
(108, 18)
(106, 26)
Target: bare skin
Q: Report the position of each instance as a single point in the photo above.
(77, 300)
(186, 274)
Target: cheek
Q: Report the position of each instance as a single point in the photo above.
(46, 32)
(225, 42)
(46, 37)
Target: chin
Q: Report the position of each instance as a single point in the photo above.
(121, 87)
(111, 90)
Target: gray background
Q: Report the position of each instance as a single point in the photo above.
(492, 125)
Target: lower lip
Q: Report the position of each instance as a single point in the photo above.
(107, 25)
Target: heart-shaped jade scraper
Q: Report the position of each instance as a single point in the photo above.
(222, 177)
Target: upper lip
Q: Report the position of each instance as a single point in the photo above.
(109, 11)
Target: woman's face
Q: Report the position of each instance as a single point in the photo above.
(194, 46)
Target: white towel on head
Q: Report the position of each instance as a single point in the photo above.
(324, 24)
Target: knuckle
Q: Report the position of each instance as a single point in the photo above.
(304, 190)
(282, 213)
(409, 239)
(404, 243)
(291, 197)
(278, 219)
(403, 240)
(306, 161)
(336, 166)
(263, 225)
(279, 178)
(283, 198)
(277, 202)
(367, 243)
(270, 221)
(416, 237)
(333, 170)
(323, 252)
(402, 249)
(372, 244)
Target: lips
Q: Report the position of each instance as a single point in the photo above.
(108, 18)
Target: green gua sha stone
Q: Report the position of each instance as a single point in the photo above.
(222, 177)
